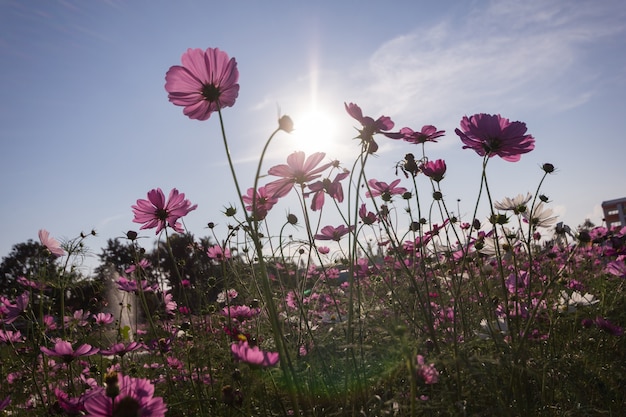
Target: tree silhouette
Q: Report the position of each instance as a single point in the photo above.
(30, 260)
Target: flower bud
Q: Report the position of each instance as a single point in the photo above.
(285, 123)
(437, 195)
(131, 235)
(292, 219)
(548, 168)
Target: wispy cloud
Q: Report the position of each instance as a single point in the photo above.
(508, 54)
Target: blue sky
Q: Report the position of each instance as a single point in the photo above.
(86, 128)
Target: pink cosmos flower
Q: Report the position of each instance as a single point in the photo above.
(434, 170)
(121, 349)
(491, 135)
(64, 350)
(243, 352)
(371, 127)
(333, 233)
(380, 188)
(9, 312)
(125, 397)
(216, 253)
(296, 171)
(264, 202)
(10, 336)
(240, 313)
(367, 217)
(428, 133)
(104, 318)
(156, 212)
(428, 373)
(205, 83)
(323, 250)
(332, 188)
(51, 243)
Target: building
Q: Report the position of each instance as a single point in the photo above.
(614, 212)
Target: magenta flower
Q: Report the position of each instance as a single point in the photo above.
(121, 349)
(5, 403)
(371, 127)
(156, 212)
(243, 352)
(103, 319)
(9, 312)
(51, 243)
(333, 233)
(124, 396)
(263, 200)
(491, 135)
(367, 217)
(240, 313)
(64, 350)
(428, 133)
(607, 326)
(10, 336)
(216, 253)
(434, 170)
(428, 373)
(205, 83)
(332, 188)
(380, 188)
(296, 171)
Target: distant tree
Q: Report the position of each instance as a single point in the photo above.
(30, 260)
(192, 266)
(117, 255)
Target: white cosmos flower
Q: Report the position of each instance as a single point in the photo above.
(488, 330)
(542, 216)
(516, 204)
(569, 302)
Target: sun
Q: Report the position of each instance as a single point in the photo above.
(316, 131)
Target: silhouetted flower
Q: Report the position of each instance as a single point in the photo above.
(205, 83)
(380, 188)
(333, 233)
(156, 212)
(51, 243)
(296, 171)
(371, 127)
(434, 170)
(428, 133)
(491, 135)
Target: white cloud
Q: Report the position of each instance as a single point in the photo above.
(508, 55)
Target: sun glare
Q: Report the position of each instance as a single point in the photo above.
(316, 131)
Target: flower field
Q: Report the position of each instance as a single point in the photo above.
(398, 308)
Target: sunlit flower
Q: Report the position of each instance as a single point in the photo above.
(260, 204)
(156, 212)
(516, 204)
(435, 170)
(124, 396)
(326, 186)
(51, 243)
(333, 233)
(298, 170)
(243, 352)
(205, 83)
(541, 216)
(491, 135)
(380, 188)
(63, 349)
(371, 127)
(428, 133)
